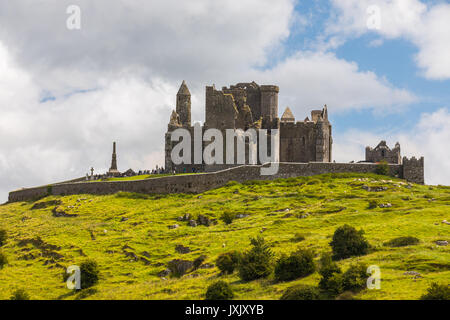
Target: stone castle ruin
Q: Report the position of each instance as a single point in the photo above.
(383, 152)
(249, 105)
(305, 148)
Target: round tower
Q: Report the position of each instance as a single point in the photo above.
(184, 105)
(269, 101)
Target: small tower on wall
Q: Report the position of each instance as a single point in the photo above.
(113, 170)
(184, 105)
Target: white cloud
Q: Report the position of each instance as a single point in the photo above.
(312, 79)
(427, 26)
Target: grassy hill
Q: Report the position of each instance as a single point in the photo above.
(128, 235)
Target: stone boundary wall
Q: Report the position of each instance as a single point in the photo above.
(197, 183)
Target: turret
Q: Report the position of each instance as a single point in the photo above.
(184, 105)
(269, 101)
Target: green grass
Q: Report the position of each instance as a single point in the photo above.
(325, 202)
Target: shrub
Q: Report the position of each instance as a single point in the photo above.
(228, 262)
(372, 204)
(257, 262)
(301, 292)
(437, 292)
(89, 274)
(198, 261)
(348, 242)
(220, 290)
(228, 217)
(3, 260)
(298, 237)
(297, 265)
(402, 242)
(3, 237)
(20, 294)
(355, 278)
(382, 168)
(328, 270)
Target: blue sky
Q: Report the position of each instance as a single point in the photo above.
(392, 59)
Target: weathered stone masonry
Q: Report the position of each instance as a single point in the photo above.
(412, 170)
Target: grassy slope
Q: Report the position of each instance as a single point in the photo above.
(416, 211)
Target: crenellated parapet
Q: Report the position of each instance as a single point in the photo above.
(414, 170)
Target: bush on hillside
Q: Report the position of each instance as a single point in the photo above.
(301, 292)
(227, 217)
(3, 237)
(219, 290)
(20, 294)
(298, 264)
(348, 242)
(257, 262)
(89, 273)
(198, 261)
(355, 278)
(3, 260)
(227, 262)
(402, 242)
(372, 204)
(437, 292)
(330, 272)
(382, 168)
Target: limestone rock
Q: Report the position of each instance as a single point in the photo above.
(57, 212)
(179, 267)
(45, 204)
(182, 249)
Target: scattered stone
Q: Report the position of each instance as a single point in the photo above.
(374, 189)
(283, 210)
(131, 255)
(174, 226)
(303, 216)
(45, 204)
(287, 215)
(385, 205)
(164, 274)
(236, 192)
(205, 221)
(207, 266)
(411, 273)
(179, 267)
(240, 216)
(192, 223)
(123, 219)
(182, 249)
(442, 242)
(146, 254)
(263, 229)
(57, 212)
(199, 197)
(445, 221)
